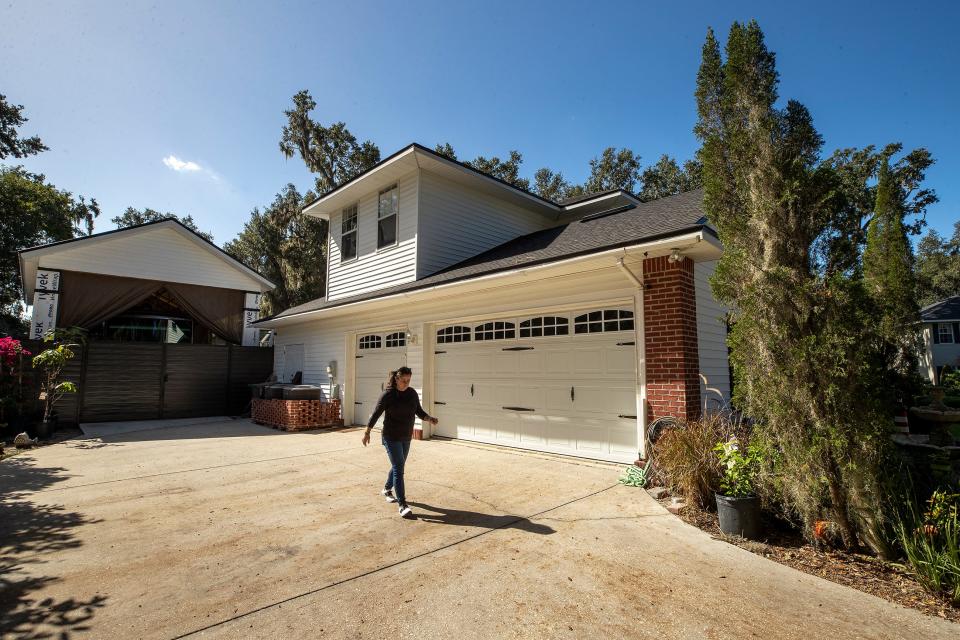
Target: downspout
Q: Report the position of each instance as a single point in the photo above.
(640, 331)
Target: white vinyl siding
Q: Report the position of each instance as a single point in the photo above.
(375, 269)
(457, 223)
(151, 254)
(326, 340)
(712, 340)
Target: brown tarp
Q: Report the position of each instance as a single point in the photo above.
(87, 299)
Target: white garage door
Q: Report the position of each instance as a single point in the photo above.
(377, 355)
(559, 382)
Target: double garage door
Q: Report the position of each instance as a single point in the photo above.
(561, 383)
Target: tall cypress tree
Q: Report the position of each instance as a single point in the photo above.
(888, 274)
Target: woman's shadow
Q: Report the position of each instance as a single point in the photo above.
(442, 515)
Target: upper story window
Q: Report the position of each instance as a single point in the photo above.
(370, 342)
(545, 326)
(494, 331)
(387, 211)
(945, 332)
(455, 333)
(602, 321)
(348, 234)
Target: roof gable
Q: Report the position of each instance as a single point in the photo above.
(164, 250)
(942, 311)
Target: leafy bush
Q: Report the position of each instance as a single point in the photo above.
(740, 466)
(931, 544)
(687, 459)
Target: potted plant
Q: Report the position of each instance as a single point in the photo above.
(51, 362)
(737, 505)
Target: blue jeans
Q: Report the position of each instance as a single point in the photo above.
(397, 451)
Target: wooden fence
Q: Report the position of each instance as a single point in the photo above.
(143, 381)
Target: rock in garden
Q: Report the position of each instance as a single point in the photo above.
(23, 441)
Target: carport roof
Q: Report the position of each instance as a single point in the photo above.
(620, 227)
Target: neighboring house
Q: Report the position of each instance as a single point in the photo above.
(941, 337)
(524, 320)
(156, 282)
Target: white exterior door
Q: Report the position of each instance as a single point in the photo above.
(557, 382)
(377, 354)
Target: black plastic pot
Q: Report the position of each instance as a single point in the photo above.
(739, 516)
(45, 428)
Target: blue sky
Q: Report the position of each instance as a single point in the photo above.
(115, 88)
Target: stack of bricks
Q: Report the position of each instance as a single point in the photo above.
(296, 415)
(672, 356)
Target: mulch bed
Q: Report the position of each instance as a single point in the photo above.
(885, 580)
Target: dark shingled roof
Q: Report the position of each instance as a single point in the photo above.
(619, 227)
(948, 309)
(588, 196)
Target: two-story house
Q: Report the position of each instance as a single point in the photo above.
(941, 338)
(556, 326)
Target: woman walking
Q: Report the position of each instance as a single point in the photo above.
(400, 404)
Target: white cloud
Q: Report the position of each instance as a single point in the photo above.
(175, 163)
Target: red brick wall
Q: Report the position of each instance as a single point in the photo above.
(670, 319)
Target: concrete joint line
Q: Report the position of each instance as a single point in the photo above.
(387, 566)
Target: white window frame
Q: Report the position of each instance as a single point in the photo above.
(395, 213)
(540, 326)
(395, 340)
(369, 341)
(945, 337)
(351, 210)
(611, 320)
(454, 334)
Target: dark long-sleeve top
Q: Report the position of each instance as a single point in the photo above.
(399, 409)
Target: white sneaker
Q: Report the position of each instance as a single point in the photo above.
(388, 495)
(405, 511)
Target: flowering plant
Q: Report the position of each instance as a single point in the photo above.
(11, 368)
(738, 466)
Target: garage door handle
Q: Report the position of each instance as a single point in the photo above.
(626, 344)
(625, 416)
(436, 352)
(517, 409)
(517, 349)
(358, 356)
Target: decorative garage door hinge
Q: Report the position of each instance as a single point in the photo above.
(439, 352)
(626, 344)
(517, 349)
(627, 417)
(438, 402)
(517, 409)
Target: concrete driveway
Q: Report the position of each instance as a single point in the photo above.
(230, 530)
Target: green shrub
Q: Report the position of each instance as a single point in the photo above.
(739, 467)
(687, 460)
(931, 544)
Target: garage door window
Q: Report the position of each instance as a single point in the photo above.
(604, 321)
(545, 326)
(455, 333)
(495, 331)
(370, 342)
(396, 340)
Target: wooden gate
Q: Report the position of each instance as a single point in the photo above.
(137, 381)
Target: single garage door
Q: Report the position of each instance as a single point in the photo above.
(377, 355)
(557, 382)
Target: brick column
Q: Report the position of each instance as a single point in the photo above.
(672, 356)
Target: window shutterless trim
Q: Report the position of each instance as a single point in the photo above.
(395, 213)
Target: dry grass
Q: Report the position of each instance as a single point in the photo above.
(687, 461)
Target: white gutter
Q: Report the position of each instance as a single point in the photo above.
(674, 242)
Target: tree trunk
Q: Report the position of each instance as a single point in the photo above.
(838, 500)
